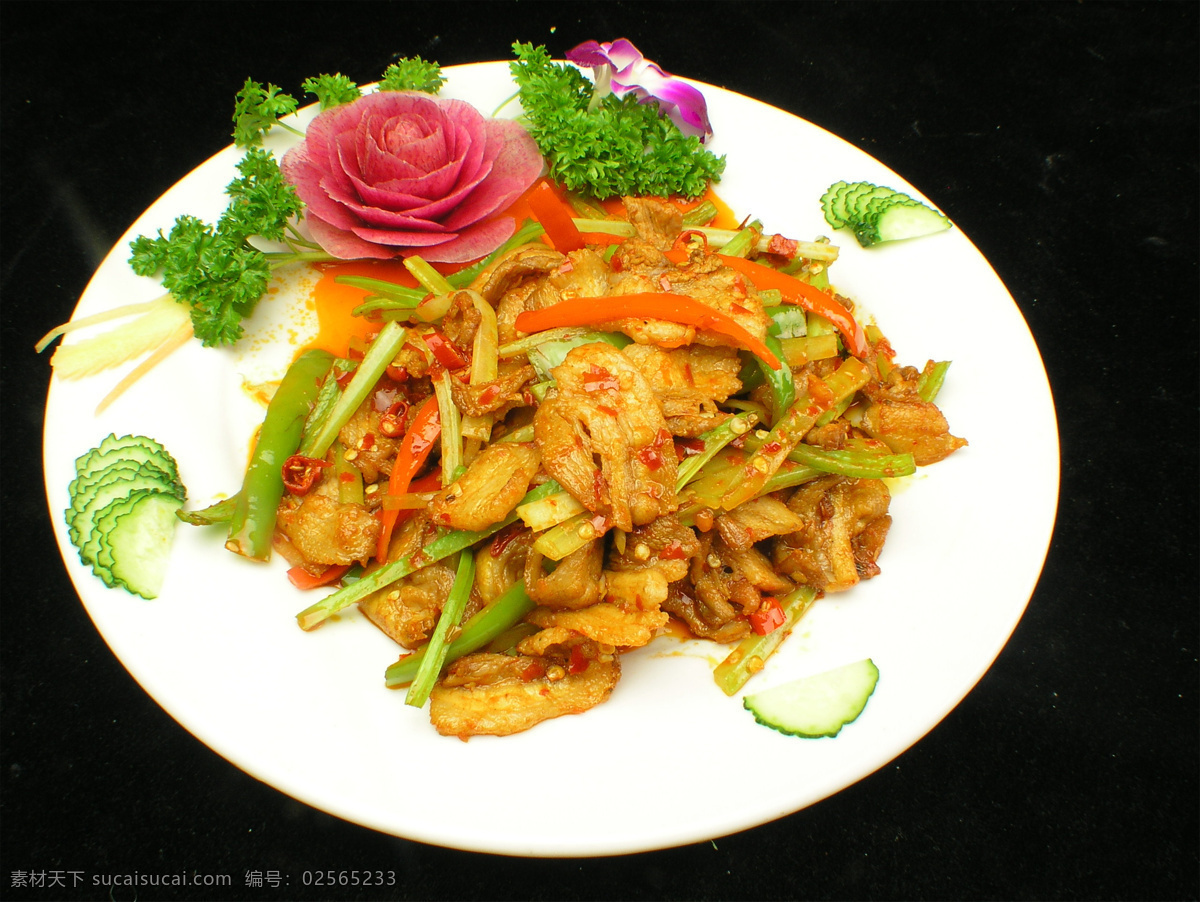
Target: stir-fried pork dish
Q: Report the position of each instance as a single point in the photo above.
(610, 417)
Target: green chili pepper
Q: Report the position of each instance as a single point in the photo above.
(253, 522)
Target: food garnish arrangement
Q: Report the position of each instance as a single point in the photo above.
(581, 402)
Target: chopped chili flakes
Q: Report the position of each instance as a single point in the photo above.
(597, 378)
(768, 618)
(579, 662)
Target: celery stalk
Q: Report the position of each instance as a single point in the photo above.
(791, 428)
(435, 653)
(714, 440)
(491, 621)
(431, 280)
(751, 654)
(401, 294)
(930, 382)
(382, 352)
(549, 512)
(452, 439)
(566, 538)
(485, 364)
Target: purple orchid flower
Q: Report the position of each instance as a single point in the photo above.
(620, 68)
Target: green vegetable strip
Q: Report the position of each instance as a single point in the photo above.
(789, 476)
(714, 440)
(439, 548)
(216, 514)
(701, 214)
(862, 463)
(401, 294)
(770, 297)
(349, 477)
(606, 227)
(799, 351)
(252, 524)
(752, 652)
(435, 652)
(520, 434)
(452, 437)
(783, 387)
(382, 352)
(835, 411)
(930, 382)
(739, 244)
(383, 309)
(485, 365)
(530, 342)
(565, 538)
(724, 239)
(492, 621)
(723, 474)
(819, 325)
(787, 433)
(431, 280)
(550, 512)
(327, 398)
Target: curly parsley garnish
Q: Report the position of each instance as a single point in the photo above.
(332, 90)
(621, 147)
(257, 109)
(414, 74)
(214, 269)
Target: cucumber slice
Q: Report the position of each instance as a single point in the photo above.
(96, 460)
(140, 539)
(876, 214)
(124, 500)
(901, 221)
(105, 522)
(82, 490)
(816, 706)
(827, 204)
(840, 211)
(112, 442)
(88, 541)
(858, 200)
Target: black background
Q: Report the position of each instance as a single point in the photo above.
(1062, 138)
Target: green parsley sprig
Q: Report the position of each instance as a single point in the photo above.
(413, 74)
(214, 269)
(332, 90)
(621, 147)
(257, 109)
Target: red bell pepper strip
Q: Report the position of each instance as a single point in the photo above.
(555, 217)
(418, 441)
(302, 579)
(676, 308)
(679, 252)
(768, 617)
(803, 295)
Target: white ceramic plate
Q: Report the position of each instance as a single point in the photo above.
(309, 714)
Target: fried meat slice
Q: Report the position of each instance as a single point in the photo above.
(603, 437)
(845, 524)
(487, 694)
